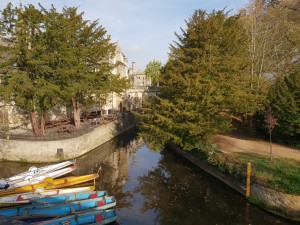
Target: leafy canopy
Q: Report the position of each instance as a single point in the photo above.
(198, 84)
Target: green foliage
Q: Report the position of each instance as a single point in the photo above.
(79, 66)
(228, 164)
(285, 101)
(198, 84)
(50, 57)
(152, 70)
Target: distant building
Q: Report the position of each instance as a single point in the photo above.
(134, 96)
(113, 102)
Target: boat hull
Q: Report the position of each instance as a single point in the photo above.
(39, 171)
(41, 178)
(58, 210)
(54, 184)
(24, 198)
(70, 197)
(92, 217)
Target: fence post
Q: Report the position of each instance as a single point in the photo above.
(248, 182)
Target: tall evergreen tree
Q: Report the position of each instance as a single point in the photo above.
(285, 101)
(79, 55)
(52, 56)
(21, 32)
(199, 83)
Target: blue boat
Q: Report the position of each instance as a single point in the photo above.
(91, 217)
(55, 210)
(70, 197)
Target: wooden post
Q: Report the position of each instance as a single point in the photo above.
(248, 183)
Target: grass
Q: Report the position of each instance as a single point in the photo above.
(281, 174)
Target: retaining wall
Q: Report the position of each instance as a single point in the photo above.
(57, 150)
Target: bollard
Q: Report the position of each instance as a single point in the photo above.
(248, 183)
(7, 137)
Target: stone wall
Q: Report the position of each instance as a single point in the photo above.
(57, 150)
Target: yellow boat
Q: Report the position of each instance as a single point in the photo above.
(49, 183)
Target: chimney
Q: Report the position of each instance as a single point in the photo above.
(133, 67)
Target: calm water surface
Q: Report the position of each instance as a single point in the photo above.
(160, 189)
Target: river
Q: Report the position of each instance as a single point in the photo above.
(157, 188)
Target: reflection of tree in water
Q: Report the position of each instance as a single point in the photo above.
(106, 181)
(180, 195)
(115, 169)
(166, 190)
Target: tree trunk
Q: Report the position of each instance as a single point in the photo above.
(76, 112)
(271, 153)
(38, 126)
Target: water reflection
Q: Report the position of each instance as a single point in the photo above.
(158, 188)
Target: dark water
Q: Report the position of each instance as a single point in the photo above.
(158, 188)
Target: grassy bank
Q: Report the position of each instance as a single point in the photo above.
(280, 174)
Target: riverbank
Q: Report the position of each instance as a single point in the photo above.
(280, 204)
(43, 150)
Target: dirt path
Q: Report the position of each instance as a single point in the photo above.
(235, 144)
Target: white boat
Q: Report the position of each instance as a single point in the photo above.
(24, 198)
(32, 171)
(40, 178)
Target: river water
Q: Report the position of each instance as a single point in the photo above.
(157, 188)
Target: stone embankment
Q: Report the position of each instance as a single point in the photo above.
(39, 151)
(280, 204)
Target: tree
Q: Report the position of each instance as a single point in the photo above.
(270, 121)
(55, 56)
(78, 55)
(21, 31)
(285, 102)
(198, 84)
(153, 71)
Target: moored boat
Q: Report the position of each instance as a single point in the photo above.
(24, 198)
(91, 217)
(70, 197)
(42, 170)
(52, 184)
(58, 210)
(40, 178)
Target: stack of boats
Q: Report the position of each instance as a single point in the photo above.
(38, 196)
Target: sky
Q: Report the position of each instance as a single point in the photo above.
(144, 29)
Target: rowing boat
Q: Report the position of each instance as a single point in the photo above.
(91, 217)
(25, 198)
(40, 178)
(42, 170)
(55, 210)
(49, 183)
(70, 197)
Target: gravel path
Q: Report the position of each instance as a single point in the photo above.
(235, 144)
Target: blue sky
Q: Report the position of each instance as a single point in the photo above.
(144, 29)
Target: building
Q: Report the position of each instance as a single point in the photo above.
(134, 96)
(113, 101)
